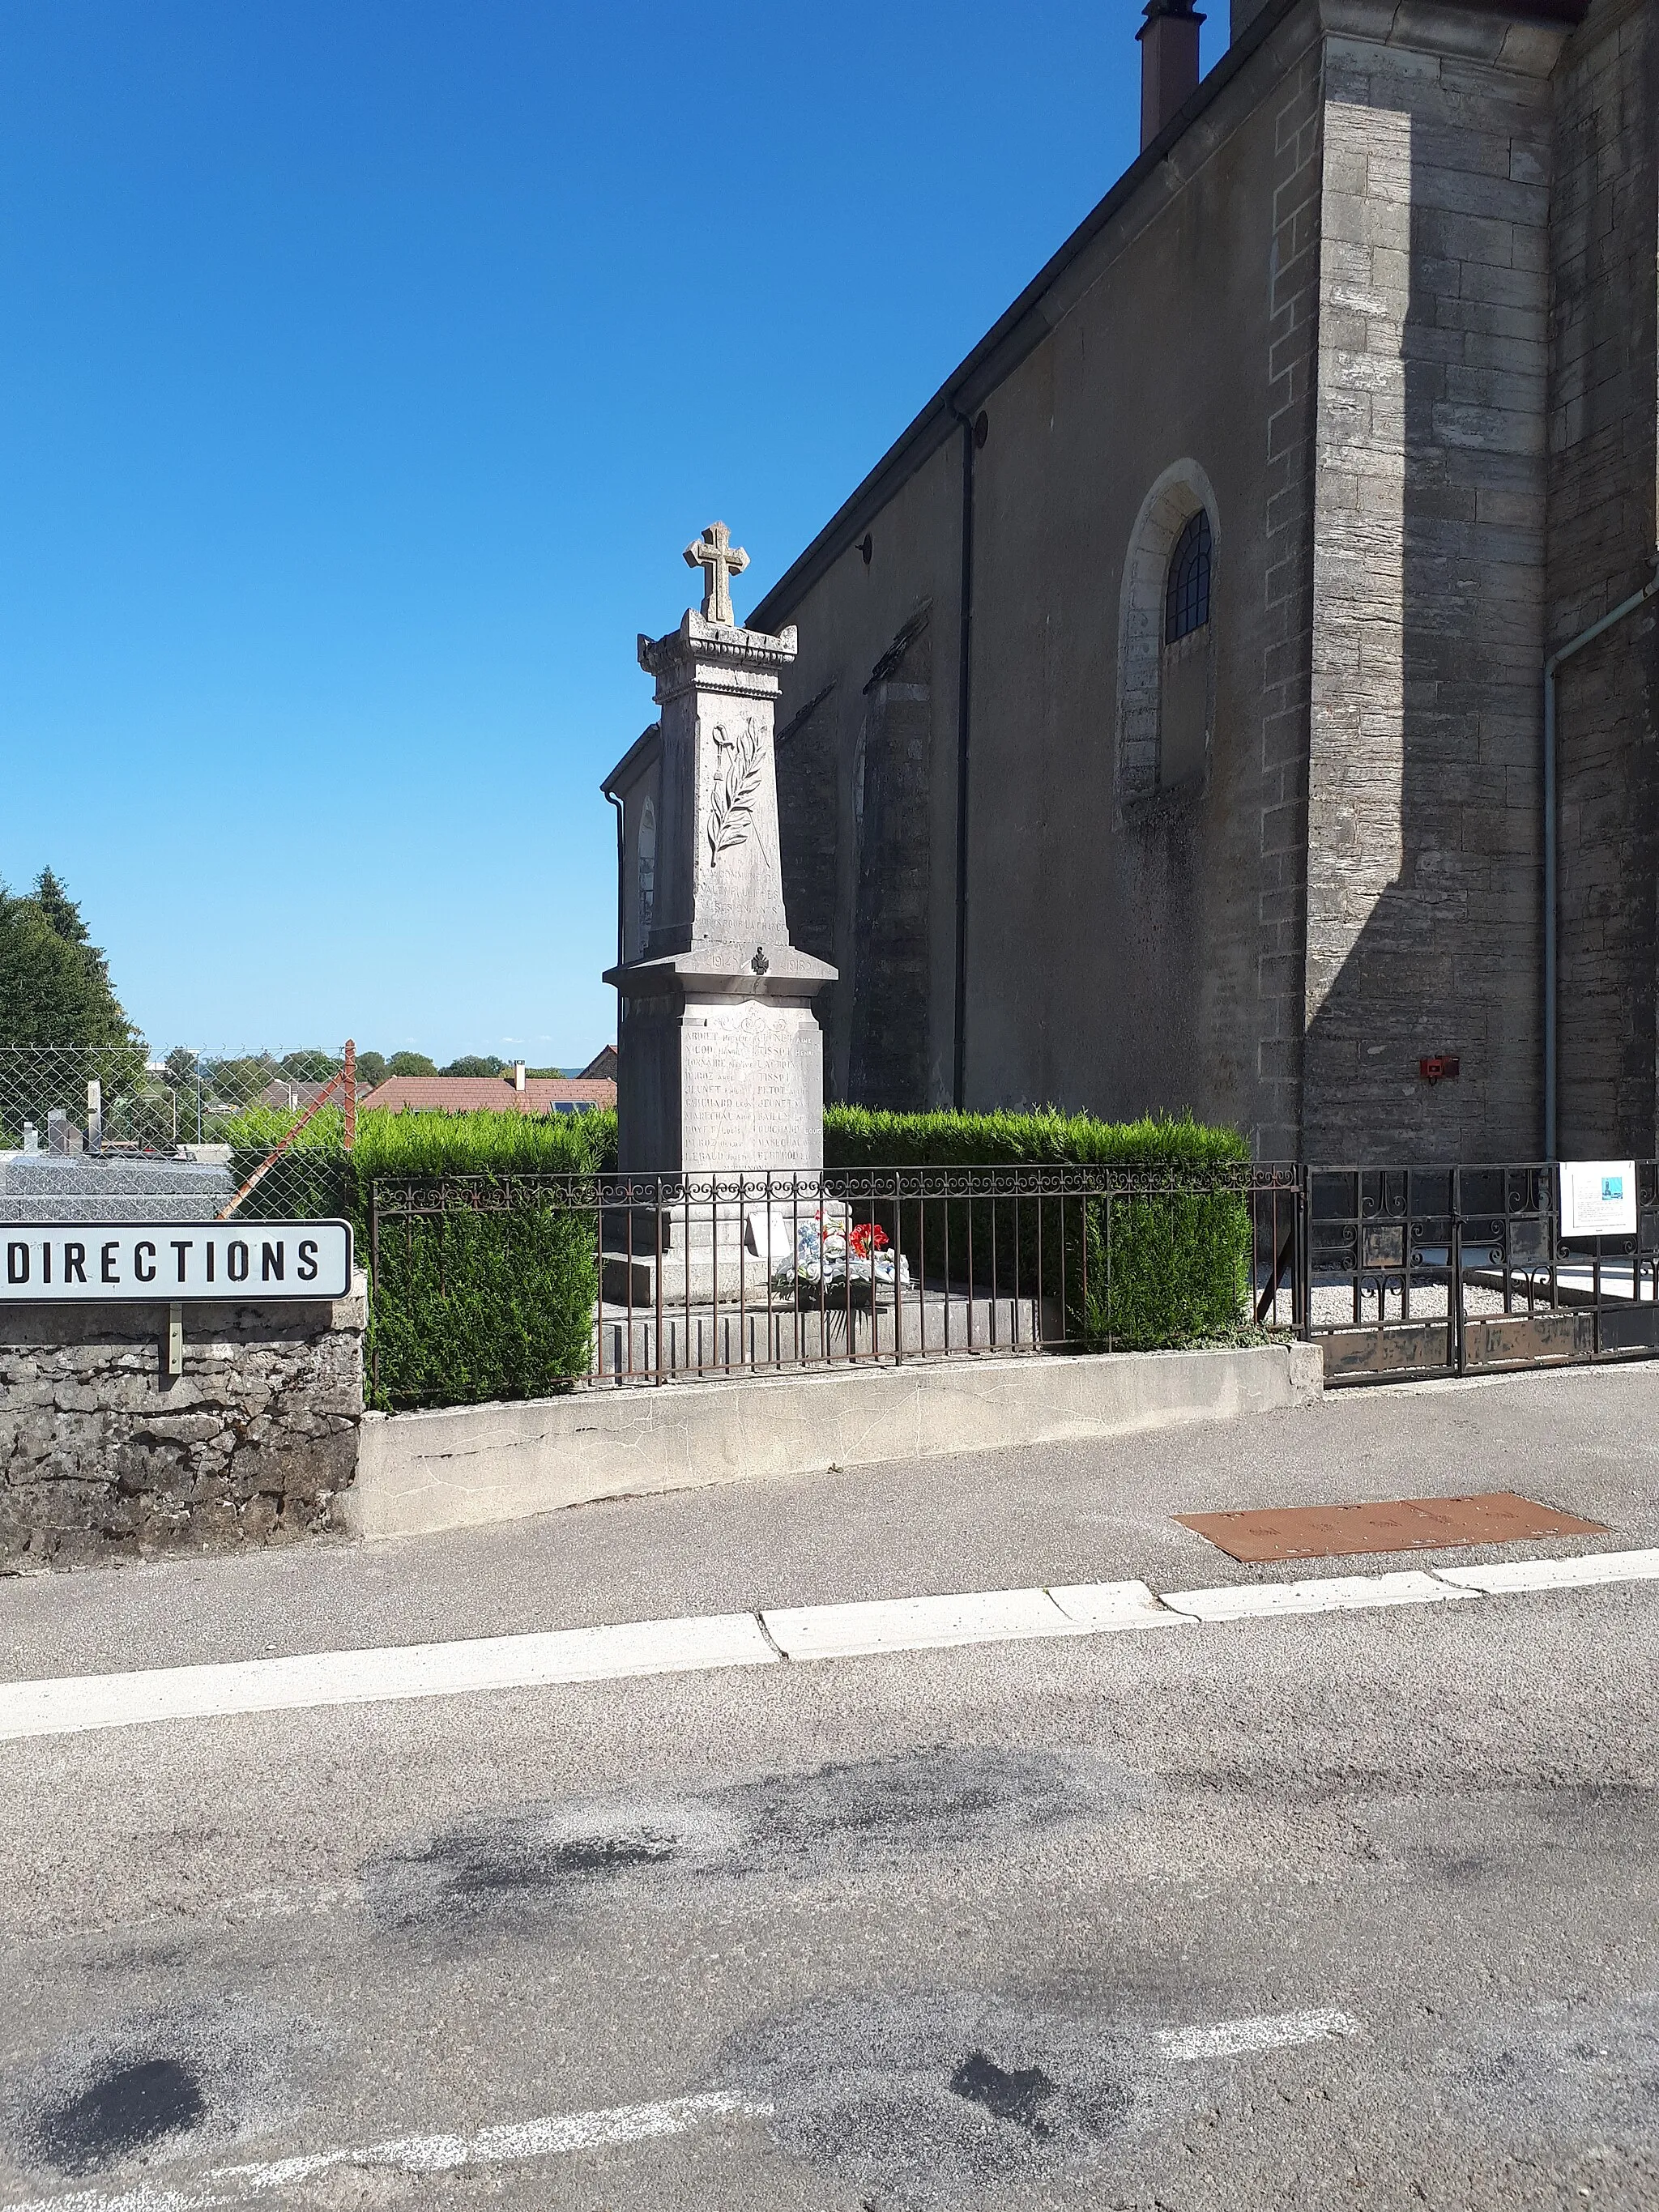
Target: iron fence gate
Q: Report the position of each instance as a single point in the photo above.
(1437, 1270)
(510, 1284)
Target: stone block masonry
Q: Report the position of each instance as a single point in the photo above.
(1287, 614)
(1422, 931)
(102, 1457)
(1604, 519)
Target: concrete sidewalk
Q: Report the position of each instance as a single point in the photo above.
(1582, 1439)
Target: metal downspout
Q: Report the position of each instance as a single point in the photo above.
(1552, 840)
(617, 803)
(972, 436)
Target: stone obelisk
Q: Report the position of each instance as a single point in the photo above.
(720, 1057)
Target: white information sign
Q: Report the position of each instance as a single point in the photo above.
(51, 1262)
(1598, 1197)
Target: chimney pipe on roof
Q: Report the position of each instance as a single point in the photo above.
(518, 1075)
(1168, 63)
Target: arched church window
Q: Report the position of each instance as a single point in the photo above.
(1167, 625)
(647, 851)
(1187, 593)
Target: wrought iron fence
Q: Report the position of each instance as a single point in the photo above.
(508, 1285)
(1438, 1271)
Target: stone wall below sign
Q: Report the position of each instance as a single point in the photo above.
(101, 1458)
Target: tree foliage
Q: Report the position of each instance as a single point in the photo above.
(54, 982)
(313, 1067)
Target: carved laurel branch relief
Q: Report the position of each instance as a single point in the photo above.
(737, 766)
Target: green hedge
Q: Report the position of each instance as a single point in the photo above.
(472, 1306)
(1161, 1268)
(464, 1305)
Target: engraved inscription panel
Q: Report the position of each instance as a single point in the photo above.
(751, 1089)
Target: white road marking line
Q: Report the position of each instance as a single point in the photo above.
(143, 2198)
(552, 2137)
(352, 1678)
(1329, 1594)
(558, 2136)
(1239, 2039)
(505, 2145)
(1498, 1577)
(1102, 1607)
(703, 1642)
(915, 1624)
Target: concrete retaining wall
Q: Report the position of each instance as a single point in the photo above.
(458, 1469)
(101, 1457)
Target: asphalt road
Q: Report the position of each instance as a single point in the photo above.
(1351, 1909)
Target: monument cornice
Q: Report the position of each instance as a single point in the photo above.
(723, 971)
(714, 654)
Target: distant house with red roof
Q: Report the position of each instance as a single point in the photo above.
(512, 1092)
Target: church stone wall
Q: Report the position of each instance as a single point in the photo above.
(866, 793)
(1423, 932)
(1129, 957)
(1287, 605)
(1113, 963)
(1391, 294)
(889, 1054)
(1602, 471)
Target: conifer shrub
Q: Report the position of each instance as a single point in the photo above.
(1164, 1263)
(464, 1304)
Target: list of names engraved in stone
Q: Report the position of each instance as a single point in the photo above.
(742, 1095)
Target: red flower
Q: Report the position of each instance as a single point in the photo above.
(866, 1238)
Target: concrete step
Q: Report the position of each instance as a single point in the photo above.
(699, 1340)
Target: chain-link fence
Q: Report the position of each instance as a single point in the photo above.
(115, 1100)
(110, 1131)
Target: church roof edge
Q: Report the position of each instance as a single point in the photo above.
(633, 760)
(1022, 327)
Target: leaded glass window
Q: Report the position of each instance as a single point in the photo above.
(1187, 593)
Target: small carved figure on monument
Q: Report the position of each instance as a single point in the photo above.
(720, 561)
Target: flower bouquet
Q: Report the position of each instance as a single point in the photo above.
(840, 1265)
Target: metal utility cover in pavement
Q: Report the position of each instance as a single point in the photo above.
(1400, 1524)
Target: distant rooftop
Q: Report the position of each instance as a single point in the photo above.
(488, 1094)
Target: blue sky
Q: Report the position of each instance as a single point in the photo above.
(364, 366)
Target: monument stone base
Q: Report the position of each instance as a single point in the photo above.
(712, 1253)
(718, 1071)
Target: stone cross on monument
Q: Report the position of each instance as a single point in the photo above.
(720, 561)
(720, 1056)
